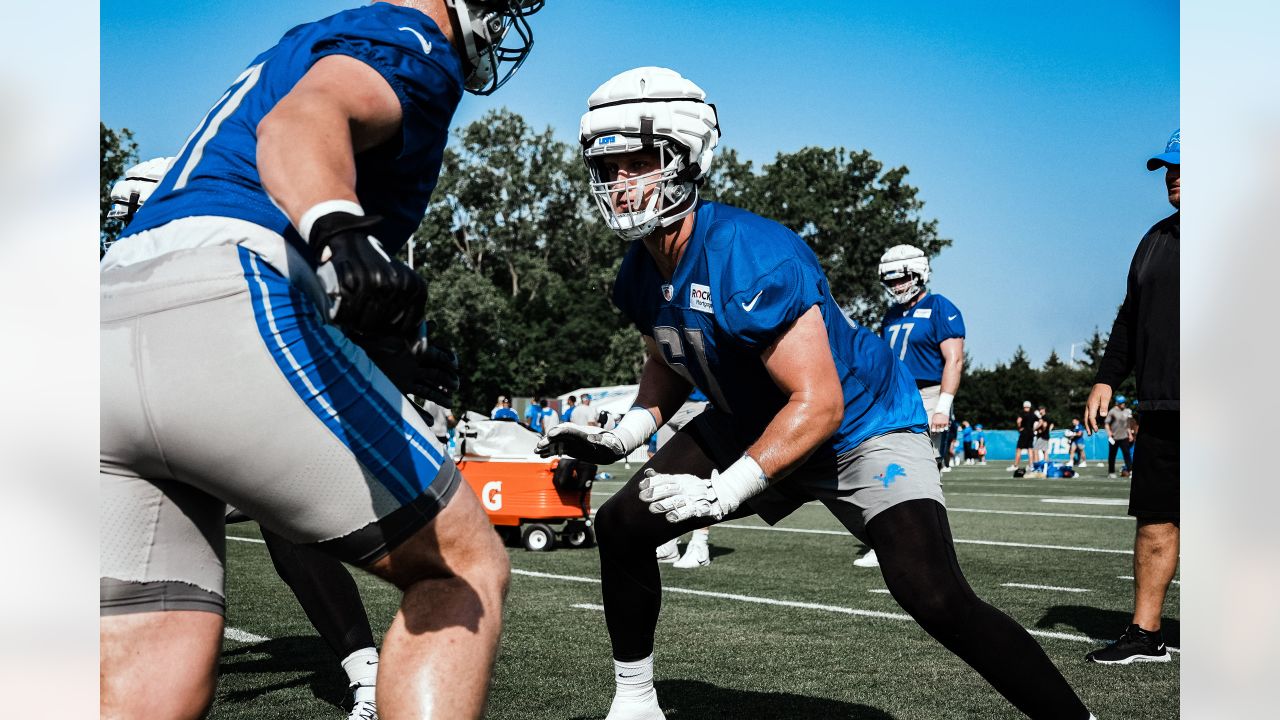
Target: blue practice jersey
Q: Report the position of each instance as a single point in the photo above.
(743, 280)
(916, 333)
(216, 172)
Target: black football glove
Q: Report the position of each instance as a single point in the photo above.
(416, 368)
(370, 292)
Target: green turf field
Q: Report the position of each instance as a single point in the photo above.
(780, 625)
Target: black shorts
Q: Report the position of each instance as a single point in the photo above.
(1154, 493)
(1025, 441)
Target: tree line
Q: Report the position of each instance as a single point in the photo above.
(521, 266)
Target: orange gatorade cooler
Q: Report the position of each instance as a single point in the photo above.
(534, 501)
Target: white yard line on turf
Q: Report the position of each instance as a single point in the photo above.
(245, 539)
(242, 636)
(995, 543)
(1122, 502)
(1045, 587)
(801, 605)
(1040, 514)
(880, 591)
(1130, 577)
(587, 606)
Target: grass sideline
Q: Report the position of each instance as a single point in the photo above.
(719, 657)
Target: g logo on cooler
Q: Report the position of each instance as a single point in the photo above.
(491, 495)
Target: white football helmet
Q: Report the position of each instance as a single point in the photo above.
(129, 194)
(902, 261)
(482, 27)
(648, 108)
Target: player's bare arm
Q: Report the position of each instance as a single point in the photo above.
(308, 142)
(953, 367)
(800, 363)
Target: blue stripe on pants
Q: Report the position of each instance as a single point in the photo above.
(335, 389)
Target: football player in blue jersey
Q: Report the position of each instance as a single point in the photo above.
(926, 331)
(229, 373)
(804, 404)
(323, 587)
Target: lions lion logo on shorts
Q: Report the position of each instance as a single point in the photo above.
(891, 473)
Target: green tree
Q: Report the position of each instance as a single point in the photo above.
(846, 206)
(520, 265)
(119, 151)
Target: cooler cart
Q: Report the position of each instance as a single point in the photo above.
(537, 502)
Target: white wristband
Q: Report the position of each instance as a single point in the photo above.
(944, 404)
(742, 480)
(321, 209)
(635, 428)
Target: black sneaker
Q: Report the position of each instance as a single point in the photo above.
(1135, 645)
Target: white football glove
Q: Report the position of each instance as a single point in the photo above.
(681, 497)
(589, 444)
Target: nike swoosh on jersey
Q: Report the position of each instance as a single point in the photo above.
(751, 305)
(951, 317)
(426, 46)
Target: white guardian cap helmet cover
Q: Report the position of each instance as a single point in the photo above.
(902, 261)
(648, 108)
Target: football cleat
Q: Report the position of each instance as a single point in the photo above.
(668, 552)
(643, 708)
(364, 710)
(696, 554)
(869, 560)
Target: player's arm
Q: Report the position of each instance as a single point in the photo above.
(306, 158)
(952, 350)
(308, 142)
(661, 394)
(801, 365)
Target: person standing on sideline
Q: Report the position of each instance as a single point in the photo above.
(980, 444)
(533, 415)
(549, 417)
(1076, 436)
(966, 442)
(1144, 341)
(1026, 436)
(1119, 427)
(926, 332)
(570, 404)
(586, 415)
(1040, 444)
(503, 410)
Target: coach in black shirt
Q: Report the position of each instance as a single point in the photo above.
(1144, 340)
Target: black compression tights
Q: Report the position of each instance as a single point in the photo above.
(918, 559)
(326, 592)
(913, 542)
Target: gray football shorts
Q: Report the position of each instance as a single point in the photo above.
(879, 473)
(222, 385)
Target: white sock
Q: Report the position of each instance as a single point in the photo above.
(634, 679)
(701, 535)
(362, 670)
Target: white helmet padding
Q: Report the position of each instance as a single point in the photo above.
(489, 56)
(902, 261)
(649, 108)
(139, 182)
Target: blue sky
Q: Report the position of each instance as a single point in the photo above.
(1025, 125)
